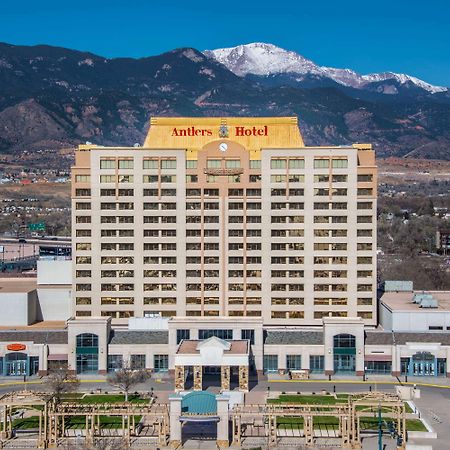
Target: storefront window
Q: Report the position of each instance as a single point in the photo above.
(316, 363)
(221, 334)
(293, 362)
(115, 362)
(270, 363)
(87, 353)
(137, 362)
(161, 363)
(380, 367)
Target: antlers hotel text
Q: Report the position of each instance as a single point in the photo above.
(238, 131)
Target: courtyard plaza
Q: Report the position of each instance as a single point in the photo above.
(432, 404)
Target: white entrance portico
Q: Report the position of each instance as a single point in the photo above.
(212, 352)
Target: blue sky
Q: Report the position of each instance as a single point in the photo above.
(397, 35)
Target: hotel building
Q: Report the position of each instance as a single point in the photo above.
(221, 245)
(225, 217)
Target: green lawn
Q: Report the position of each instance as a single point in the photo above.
(323, 400)
(367, 423)
(73, 422)
(307, 399)
(25, 424)
(111, 398)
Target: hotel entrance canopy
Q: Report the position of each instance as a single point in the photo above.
(212, 352)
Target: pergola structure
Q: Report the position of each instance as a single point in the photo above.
(53, 417)
(153, 412)
(24, 399)
(212, 352)
(349, 415)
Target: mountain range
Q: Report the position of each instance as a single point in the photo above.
(52, 97)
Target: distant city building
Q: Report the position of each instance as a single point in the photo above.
(443, 241)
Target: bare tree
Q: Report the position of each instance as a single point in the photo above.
(60, 382)
(126, 377)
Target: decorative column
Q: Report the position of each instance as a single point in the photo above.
(243, 378)
(174, 420)
(225, 378)
(308, 428)
(198, 382)
(223, 423)
(179, 378)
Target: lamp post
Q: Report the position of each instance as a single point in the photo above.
(380, 428)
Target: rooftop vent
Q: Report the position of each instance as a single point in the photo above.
(425, 300)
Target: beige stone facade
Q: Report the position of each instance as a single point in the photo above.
(225, 218)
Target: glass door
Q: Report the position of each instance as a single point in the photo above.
(344, 363)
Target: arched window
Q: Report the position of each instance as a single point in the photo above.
(87, 353)
(16, 356)
(344, 341)
(87, 340)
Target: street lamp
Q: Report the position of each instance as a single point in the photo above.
(380, 428)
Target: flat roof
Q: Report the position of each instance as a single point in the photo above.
(403, 301)
(189, 347)
(19, 284)
(45, 325)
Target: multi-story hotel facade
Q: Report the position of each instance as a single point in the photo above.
(221, 244)
(225, 217)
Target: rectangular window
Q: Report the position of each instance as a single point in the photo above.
(214, 163)
(380, 367)
(365, 178)
(232, 163)
(82, 192)
(296, 163)
(278, 163)
(316, 363)
(191, 164)
(126, 178)
(82, 178)
(150, 178)
(168, 164)
(340, 163)
(255, 164)
(277, 178)
(81, 206)
(107, 178)
(125, 163)
(221, 334)
(365, 191)
(183, 334)
(168, 178)
(293, 362)
(270, 363)
(339, 178)
(150, 164)
(161, 363)
(137, 362)
(115, 362)
(321, 163)
(107, 164)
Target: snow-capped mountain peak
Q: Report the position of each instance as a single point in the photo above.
(263, 59)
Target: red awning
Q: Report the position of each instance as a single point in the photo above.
(58, 357)
(377, 358)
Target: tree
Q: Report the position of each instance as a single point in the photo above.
(126, 377)
(60, 382)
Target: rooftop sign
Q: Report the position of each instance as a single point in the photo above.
(253, 133)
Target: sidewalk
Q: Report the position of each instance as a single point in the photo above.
(369, 379)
